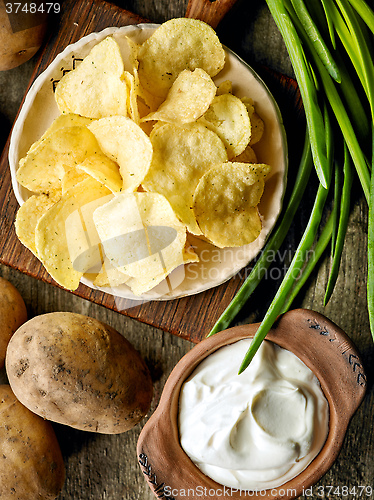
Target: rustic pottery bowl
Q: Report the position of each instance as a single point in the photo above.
(216, 265)
(320, 344)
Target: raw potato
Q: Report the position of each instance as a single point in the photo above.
(20, 41)
(31, 464)
(12, 314)
(77, 371)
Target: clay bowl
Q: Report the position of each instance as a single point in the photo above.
(320, 344)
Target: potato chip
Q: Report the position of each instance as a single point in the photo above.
(224, 88)
(257, 124)
(83, 240)
(124, 142)
(176, 45)
(132, 97)
(181, 156)
(228, 117)
(144, 110)
(110, 276)
(225, 203)
(58, 245)
(62, 121)
(28, 216)
(121, 231)
(248, 156)
(95, 88)
(173, 278)
(249, 104)
(72, 177)
(189, 98)
(137, 158)
(152, 102)
(189, 254)
(139, 286)
(43, 168)
(140, 234)
(104, 170)
(258, 127)
(133, 56)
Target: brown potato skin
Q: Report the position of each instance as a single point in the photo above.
(20, 42)
(13, 314)
(77, 371)
(31, 464)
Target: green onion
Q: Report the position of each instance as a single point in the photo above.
(273, 244)
(370, 283)
(293, 272)
(365, 12)
(333, 97)
(330, 24)
(315, 37)
(342, 86)
(353, 102)
(307, 88)
(327, 233)
(338, 95)
(349, 135)
(362, 49)
(316, 254)
(346, 38)
(343, 224)
(336, 208)
(348, 88)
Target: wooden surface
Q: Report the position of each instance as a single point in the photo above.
(105, 467)
(208, 11)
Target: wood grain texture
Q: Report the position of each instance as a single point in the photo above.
(208, 11)
(105, 467)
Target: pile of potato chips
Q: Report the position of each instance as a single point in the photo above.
(137, 161)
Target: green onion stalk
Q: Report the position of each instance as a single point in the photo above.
(330, 45)
(273, 244)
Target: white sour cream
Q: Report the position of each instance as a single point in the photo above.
(256, 430)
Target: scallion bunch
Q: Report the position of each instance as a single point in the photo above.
(330, 44)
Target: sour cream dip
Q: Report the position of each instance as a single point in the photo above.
(256, 430)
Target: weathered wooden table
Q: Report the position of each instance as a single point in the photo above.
(105, 467)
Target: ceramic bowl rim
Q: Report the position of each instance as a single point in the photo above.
(339, 417)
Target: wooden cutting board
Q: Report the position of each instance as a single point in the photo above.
(76, 20)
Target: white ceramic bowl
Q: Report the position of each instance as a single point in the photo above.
(216, 265)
